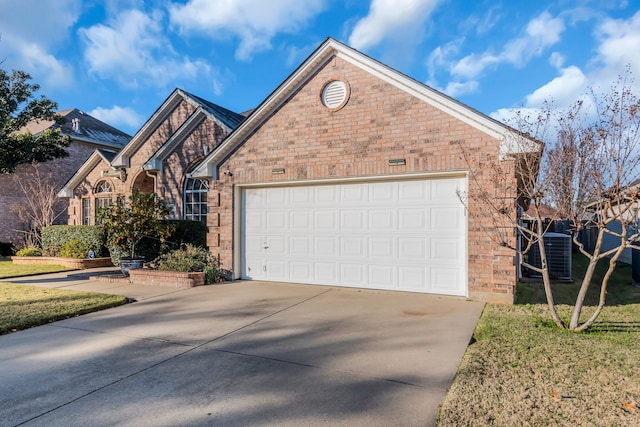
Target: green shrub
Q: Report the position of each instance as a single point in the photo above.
(55, 237)
(6, 249)
(211, 275)
(117, 252)
(75, 249)
(188, 232)
(186, 259)
(30, 251)
(52, 250)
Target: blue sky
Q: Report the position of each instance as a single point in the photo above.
(119, 59)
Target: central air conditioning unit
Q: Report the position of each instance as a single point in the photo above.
(557, 247)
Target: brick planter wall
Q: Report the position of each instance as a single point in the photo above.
(145, 276)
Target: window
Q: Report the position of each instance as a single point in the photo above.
(86, 211)
(103, 187)
(195, 199)
(103, 196)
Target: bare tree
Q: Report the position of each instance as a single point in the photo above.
(587, 168)
(40, 207)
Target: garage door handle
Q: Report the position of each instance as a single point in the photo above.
(266, 247)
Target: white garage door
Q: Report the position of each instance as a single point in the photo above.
(405, 235)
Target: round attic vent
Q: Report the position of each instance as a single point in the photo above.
(334, 94)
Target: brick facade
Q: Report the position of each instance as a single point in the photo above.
(379, 122)
(168, 182)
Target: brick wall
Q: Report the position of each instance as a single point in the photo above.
(379, 122)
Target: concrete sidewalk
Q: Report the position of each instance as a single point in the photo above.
(237, 354)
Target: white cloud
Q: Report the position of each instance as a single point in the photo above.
(563, 90)
(255, 22)
(541, 33)
(118, 116)
(557, 60)
(133, 50)
(455, 89)
(396, 19)
(619, 40)
(32, 47)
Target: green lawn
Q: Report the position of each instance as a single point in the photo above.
(520, 370)
(9, 269)
(23, 307)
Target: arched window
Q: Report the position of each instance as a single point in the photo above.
(103, 192)
(195, 199)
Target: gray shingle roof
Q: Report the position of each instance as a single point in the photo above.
(82, 126)
(228, 117)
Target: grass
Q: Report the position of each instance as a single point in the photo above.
(522, 370)
(23, 307)
(9, 269)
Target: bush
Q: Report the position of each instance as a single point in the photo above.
(75, 249)
(187, 259)
(6, 249)
(30, 251)
(55, 237)
(211, 275)
(188, 232)
(116, 252)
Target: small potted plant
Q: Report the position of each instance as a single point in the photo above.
(125, 224)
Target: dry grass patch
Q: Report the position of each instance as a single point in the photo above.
(9, 269)
(22, 307)
(521, 370)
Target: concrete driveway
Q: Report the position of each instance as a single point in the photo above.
(239, 354)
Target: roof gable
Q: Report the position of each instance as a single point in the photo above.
(227, 119)
(90, 164)
(510, 141)
(80, 126)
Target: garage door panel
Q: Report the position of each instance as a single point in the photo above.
(381, 220)
(446, 220)
(353, 194)
(255, 220)
(412, 248)
(407, 235)
(278, 245)
(326, 246)
(325, 195)
(300, 221)
(412, 278)
(382, 276)
(383, 192)
(352, 220)
(277, 220)
(446, 250)
(301, 246)
(325, 220)
(353, 274)
(382, 247)
(301, 271)
(444, 280)
(277, 270)
(413, 192)
(325, 272)
(412, 219)
(354, 246)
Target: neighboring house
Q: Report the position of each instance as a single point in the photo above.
(157, 159)
(87, 134)
(349, 174)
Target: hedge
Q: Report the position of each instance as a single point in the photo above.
(55, 237)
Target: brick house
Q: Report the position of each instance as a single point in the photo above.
(157, 159)
(87, 134)
(349, 174)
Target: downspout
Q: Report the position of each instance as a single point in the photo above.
(155, 182)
